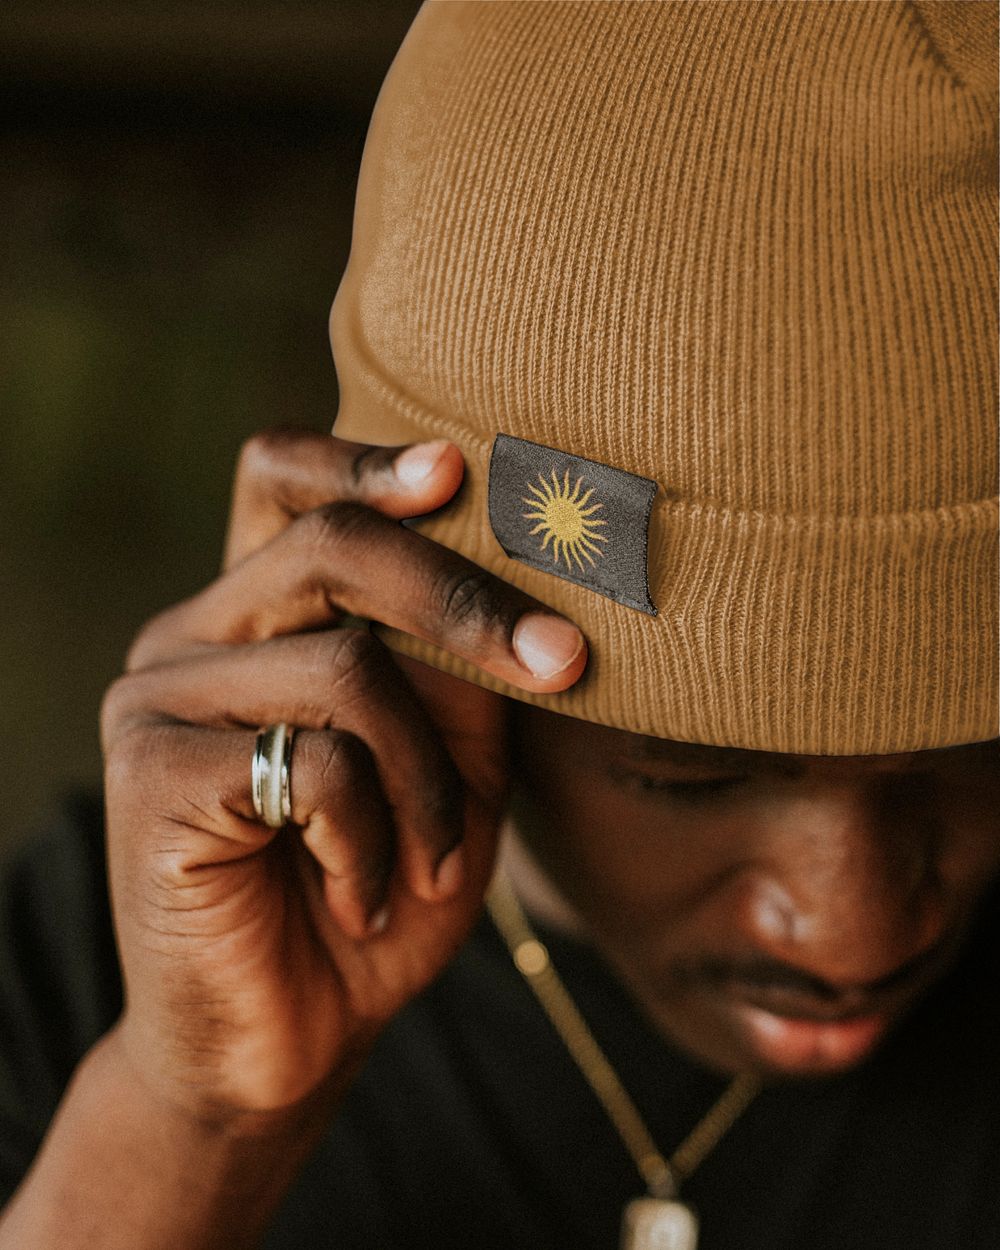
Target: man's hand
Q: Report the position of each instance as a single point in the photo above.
(261, 965)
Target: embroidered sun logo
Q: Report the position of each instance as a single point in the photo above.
(566, 519)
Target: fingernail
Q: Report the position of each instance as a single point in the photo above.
(379, 922)
(450, 873)
(415, 465)
(546, 645)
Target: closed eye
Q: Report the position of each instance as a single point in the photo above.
(692, 791)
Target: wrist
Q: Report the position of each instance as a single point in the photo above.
(125, 1168)
(197, 1110)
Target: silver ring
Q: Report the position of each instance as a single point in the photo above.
(271, 775)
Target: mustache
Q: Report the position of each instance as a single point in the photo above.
(758, 972)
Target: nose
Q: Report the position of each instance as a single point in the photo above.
(847, 890)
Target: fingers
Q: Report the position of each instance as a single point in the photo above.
(345, 681)
(346, 557)
(310, 540)
(190, 786)
(337, 799)
(316, 536)
(284, 473)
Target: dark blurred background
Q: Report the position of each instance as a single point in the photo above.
(177, 189)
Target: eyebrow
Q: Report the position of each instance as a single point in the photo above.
(661, 750)
(664, 750)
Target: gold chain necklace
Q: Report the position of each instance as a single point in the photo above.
(658, 1221)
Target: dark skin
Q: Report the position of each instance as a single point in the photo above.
(261, 966)
(734, 890)
(398, 778)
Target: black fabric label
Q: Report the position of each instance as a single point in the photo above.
(576, 518)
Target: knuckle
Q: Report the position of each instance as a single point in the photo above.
(354, 660)
(366, 461)
(343, 665)
(466, 598)
(328, 528)
(343, 763)
(260, 453)
(343, 782)
(131, 758)
(118, 701)
(328, 538)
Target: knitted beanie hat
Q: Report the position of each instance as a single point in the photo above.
(706, 294)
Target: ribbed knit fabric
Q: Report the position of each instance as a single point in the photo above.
(749, 251)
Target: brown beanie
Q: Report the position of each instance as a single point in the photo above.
(706, 294)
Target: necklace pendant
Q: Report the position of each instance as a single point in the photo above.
(659, 1224)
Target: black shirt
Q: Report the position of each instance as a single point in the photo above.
(471, 1127)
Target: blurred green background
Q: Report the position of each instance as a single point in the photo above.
(177, 189)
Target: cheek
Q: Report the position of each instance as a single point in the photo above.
(969, 857)
(628, 865)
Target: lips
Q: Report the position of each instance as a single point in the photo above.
(800, 1034)
(795, 1025)
(749, 1011)
(793, 1005)
(809, 1046)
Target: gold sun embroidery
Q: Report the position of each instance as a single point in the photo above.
(566, 520)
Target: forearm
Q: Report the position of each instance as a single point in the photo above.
(120, 1168)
